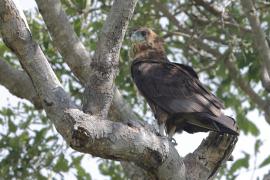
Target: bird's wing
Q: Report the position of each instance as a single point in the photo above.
(174, 88)
(189, 69)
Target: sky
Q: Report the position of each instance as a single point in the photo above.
(186, 142)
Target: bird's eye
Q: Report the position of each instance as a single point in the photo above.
(143, 33)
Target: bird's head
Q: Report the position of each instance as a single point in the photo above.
(144, 42)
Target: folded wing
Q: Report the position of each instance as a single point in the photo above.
(176, 89)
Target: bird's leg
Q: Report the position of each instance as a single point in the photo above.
(161, 117)
(170, 135)
(162, 129)
(171, 132)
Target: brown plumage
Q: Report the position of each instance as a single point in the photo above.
(177, 98)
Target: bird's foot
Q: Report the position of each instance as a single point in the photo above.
(158, 134)
(173, 141)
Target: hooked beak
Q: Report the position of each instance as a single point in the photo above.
(137, 37)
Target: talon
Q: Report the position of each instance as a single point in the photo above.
(172, 132)
(158, 134)
(173, 141)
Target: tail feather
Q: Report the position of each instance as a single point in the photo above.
(203, 122)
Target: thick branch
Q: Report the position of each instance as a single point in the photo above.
(64, 38)
(259, 37)
(18, 83)
(205, 161)
(116, 141)
(100, 88)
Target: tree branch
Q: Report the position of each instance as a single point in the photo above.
(210, 7)
(131, 143)
(100, 87)
(205, 161)
(18, 83)
(259, 37)
(65, 38)
(219, 23)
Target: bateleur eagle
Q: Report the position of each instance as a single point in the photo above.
(176, 96)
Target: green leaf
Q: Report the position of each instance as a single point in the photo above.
(11, 126)
(246, 125)
(253, 128)
(77, 26)
(240, 163)
(257, 145)
(77, 160)
(49, 159)
(265, 162)
(7, 112)
(40, 135)
(81, 173)
(61, 165)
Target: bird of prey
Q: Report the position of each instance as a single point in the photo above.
(173, 91)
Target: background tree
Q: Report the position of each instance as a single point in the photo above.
(225, 41)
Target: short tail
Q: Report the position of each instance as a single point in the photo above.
(203, 122)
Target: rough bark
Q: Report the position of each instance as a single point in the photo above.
(104, 66)
(131, 141)
(205, 161)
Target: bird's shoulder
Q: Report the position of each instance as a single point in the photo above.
(163, 67)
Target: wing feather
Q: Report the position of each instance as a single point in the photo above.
(174, 87)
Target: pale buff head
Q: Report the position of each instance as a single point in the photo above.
(145, 41)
